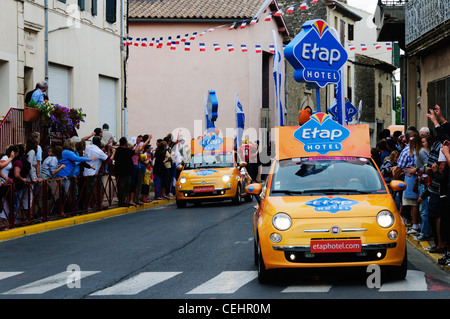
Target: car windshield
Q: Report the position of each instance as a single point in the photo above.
(326, 176)
(202, 160)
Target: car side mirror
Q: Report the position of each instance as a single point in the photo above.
(254, 189)
(397, 185)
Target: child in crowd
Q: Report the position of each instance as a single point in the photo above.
(50, 166)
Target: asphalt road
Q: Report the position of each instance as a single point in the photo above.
(184, 254)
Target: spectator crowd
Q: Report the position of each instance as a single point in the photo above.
(80, 165)
(421, 158)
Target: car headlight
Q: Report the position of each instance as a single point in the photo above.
(281, 221)
(183, 180)
(385, 219)
(226, 178)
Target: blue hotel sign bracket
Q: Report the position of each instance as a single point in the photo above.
(317, 58)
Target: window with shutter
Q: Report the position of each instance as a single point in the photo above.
(59, 85)
(107, 102)
(81, 5)
(94, 7)
(110, 11)
(438, 92)
(351, 36)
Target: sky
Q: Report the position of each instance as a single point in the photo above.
(366, 5)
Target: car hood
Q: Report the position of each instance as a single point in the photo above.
(329, 206)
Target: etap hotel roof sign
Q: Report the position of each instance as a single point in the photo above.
(316, 55)
(321, 136)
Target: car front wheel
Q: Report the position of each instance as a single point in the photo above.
(237, 198)
(264, 275)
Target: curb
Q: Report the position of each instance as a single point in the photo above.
(77, 220)
(422, 246)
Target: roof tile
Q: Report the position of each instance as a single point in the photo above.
(194, 9)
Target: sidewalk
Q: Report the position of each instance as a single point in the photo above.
(80, 219)
(423, 246)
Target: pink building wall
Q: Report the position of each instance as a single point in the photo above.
(166, 88)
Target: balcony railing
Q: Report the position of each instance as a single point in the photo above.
(423, 16)
(394, 3)
(12, 129)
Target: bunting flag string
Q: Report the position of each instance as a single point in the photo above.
(138, 42)
(143, 42)
(172, 44)
(376, 45)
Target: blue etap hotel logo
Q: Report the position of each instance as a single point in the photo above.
(321, 134)
(211, 142)
(205, 172)
(332, 205)
(316, 54)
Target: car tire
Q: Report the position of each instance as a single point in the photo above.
(264, 275)
(237, 199)
(255, 253)
(398, 272)
(181, 203)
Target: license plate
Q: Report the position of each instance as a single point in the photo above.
(203, 189)
(336, 246)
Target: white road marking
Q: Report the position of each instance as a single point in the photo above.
(136, 284)
(226, 282)
(7, 274)
(319, 287)
(47, 284)
(414, 281)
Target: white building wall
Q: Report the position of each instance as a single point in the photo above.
(8, 55)
(86, 44)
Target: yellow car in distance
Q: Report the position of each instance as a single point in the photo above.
(325, 203)
(213, 173)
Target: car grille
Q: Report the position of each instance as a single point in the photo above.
(307, 257)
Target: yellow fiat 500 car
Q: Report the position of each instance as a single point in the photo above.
(325, 203)
(213, 173)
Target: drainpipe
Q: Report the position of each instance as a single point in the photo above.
(46, 39)
(125, 106)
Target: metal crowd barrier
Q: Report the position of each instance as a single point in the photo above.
(31, 203)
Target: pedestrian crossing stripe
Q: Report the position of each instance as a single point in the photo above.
(136, 284)
(227, 282)
(47, 284)
(315, 287)
(7, 274)
(415, 281)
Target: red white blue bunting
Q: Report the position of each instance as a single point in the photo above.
(202, 47)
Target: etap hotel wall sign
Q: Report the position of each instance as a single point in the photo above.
(316, 55)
